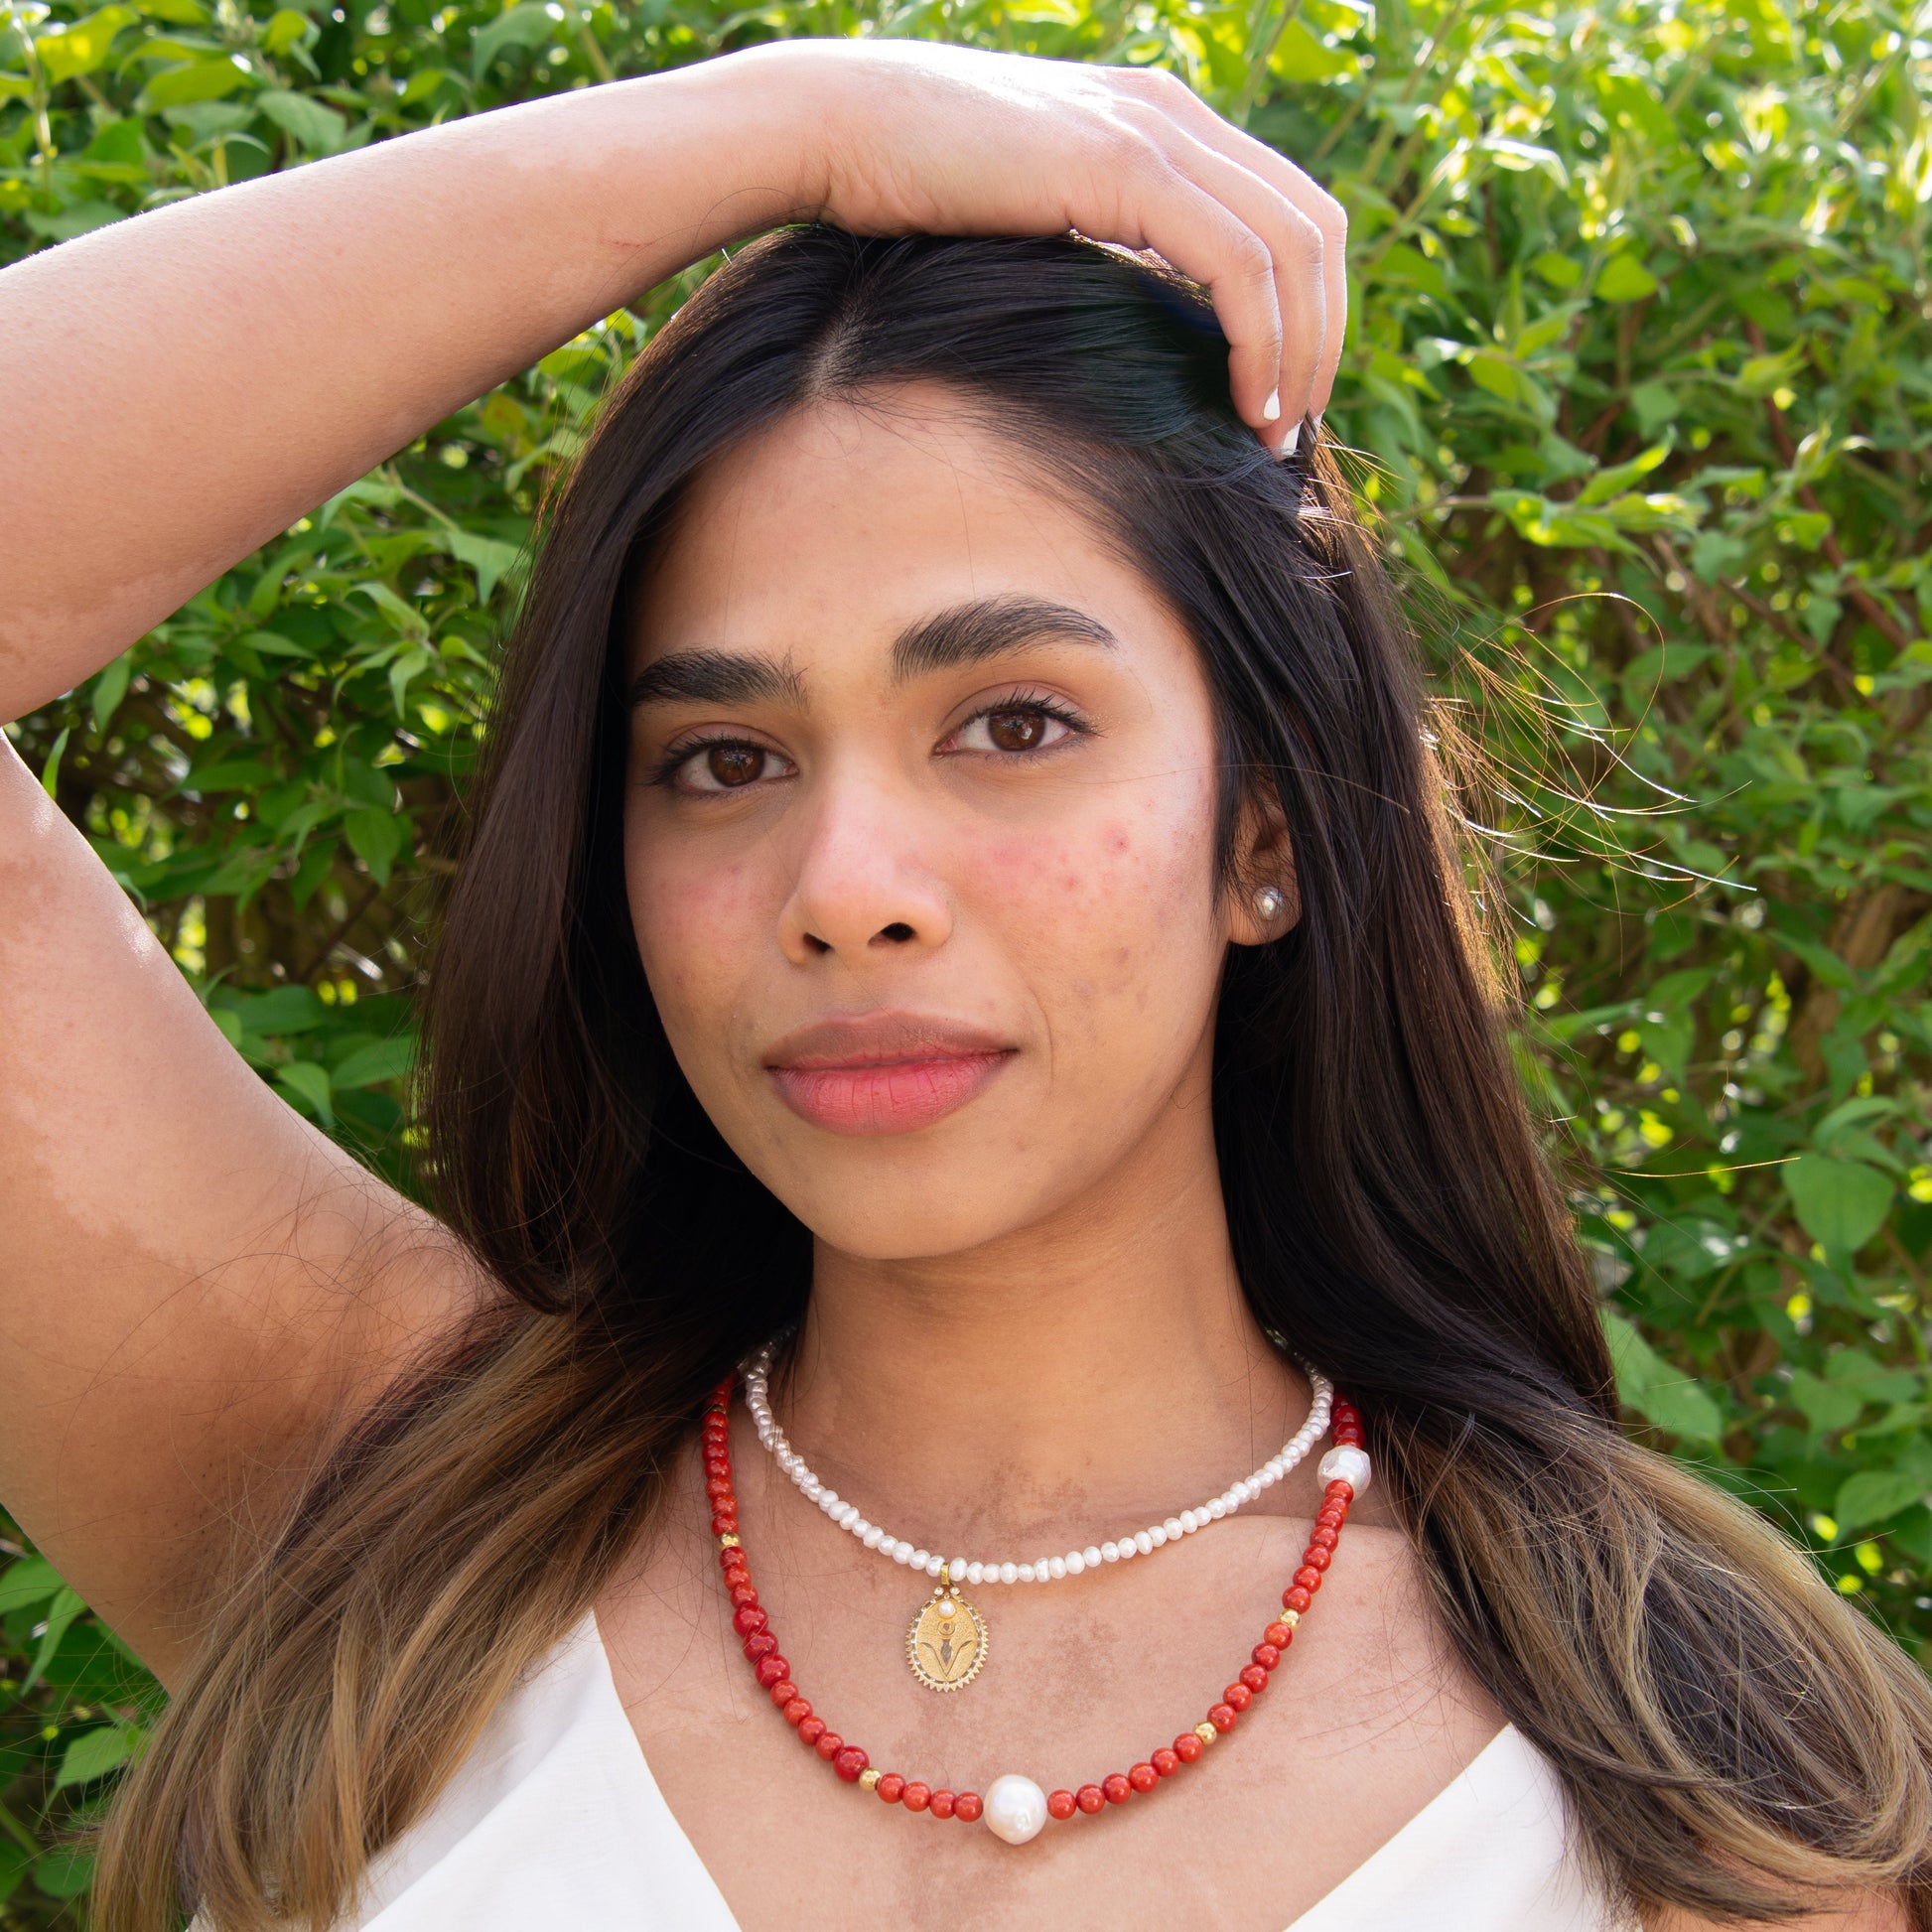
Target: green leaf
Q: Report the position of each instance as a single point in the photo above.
(1714, 554)
(1874, 1380)
(61, 1613)
(1654, 404)
(303, 118)
(76, 218)
(1676, 1403)
(525, 26)
(1841, 1204)
(404, 671)
(1411, 268)
(1629, 101)
(231, 774)
(1496, 373)
(1762, 374)
(1668, 1043)
(205, 124)
(25, 1581)
(1825, 965)
(50, 771)
(1520, 157)
(64, 1872)
(1300, 56)
(82, 48)
(316, 859)
(284, 30)
(305, 1081)
(1870, 1496)
(287, 1010)
(1553, 524)
(376, 837)
(405, 617)
(1625, 279)
(110, 687)
(1805, 529)
(1619, 476)
(1827, 1405)
(368, 1067)
(489, 557)
(182, 86)
(93, 1754)
(424, 83)
(14, 1861)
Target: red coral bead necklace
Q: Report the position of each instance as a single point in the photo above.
(1014, 1807)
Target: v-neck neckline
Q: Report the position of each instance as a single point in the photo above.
(1321, 1916)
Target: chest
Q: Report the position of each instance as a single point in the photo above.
(1365, 1720)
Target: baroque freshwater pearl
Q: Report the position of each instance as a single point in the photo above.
(1016, 1807)
(1346, 1464)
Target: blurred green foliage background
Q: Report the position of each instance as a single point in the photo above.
(1641, 379)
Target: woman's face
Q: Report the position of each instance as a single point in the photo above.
(919, 833)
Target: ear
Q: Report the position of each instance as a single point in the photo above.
(1264, 858)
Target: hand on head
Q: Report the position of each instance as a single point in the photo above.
(907, 136)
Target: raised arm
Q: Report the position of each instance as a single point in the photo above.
(197, 1287)
(181, 388)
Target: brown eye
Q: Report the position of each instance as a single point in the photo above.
(730, 765)
(1016, 731)
(1014, 727)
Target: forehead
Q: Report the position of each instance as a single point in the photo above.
(849, 520)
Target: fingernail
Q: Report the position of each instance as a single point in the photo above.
(1271, 410)
(1289, 442)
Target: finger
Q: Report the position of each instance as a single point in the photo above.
(1206, 239)
(1295, 248)
(1331, 221)
(1174, 97)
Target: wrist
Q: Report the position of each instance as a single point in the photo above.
(767, 115)
(713, 153)
(620, 186)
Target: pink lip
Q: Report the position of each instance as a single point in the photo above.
(883, 1073)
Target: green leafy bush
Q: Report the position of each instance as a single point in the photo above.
(1642, 377)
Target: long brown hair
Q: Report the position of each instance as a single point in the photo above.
(1734, 1737)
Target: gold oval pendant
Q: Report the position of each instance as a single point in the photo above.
(946, 1641)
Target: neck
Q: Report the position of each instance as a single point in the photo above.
(1101, 1360)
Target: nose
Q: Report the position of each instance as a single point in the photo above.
(865, 884)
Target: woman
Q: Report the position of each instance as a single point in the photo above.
(960, 915)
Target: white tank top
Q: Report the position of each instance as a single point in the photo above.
(555, 1820)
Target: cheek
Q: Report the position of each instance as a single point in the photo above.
(692, 921)
(1115, 917)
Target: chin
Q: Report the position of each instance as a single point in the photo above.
(907, 1223)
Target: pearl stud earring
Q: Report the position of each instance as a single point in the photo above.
(1269, 903)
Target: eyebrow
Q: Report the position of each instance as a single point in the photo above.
(966, 633)
(717, 677)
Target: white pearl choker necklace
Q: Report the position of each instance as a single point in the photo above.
(757, 1370)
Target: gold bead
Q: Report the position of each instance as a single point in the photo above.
(729, 1541)
(868, 1780)
(1292, 1619)
(1207, 1734)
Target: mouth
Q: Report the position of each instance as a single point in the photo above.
(883, 1073)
